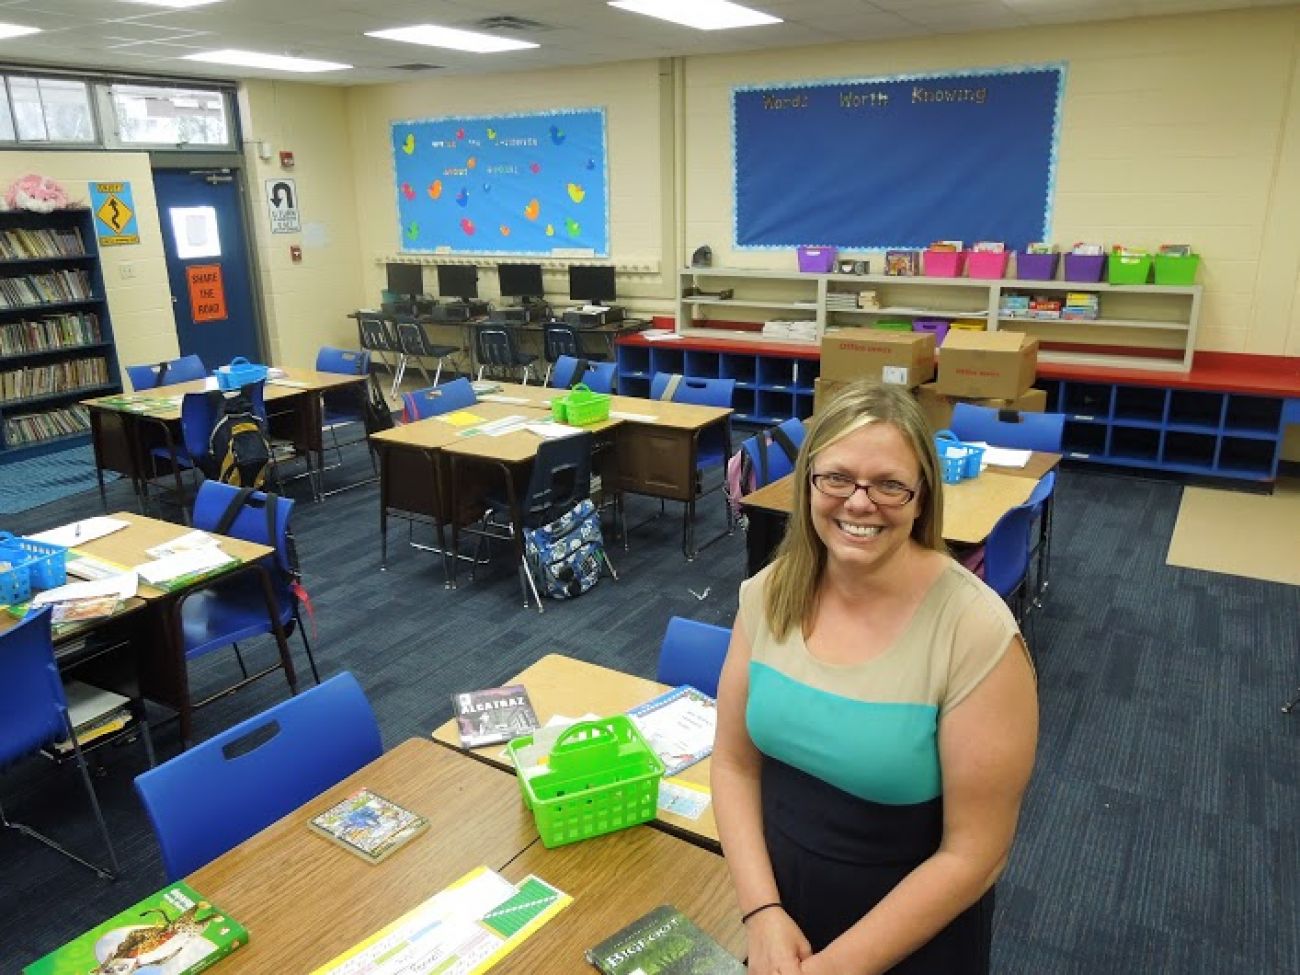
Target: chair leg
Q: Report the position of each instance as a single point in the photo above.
(240, 657)
(532, 584)
(609, 565)
(311, 658)
(437, 370)
(547, 380)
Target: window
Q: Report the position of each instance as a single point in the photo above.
(153, 115)
(51, 110)
(195, 233)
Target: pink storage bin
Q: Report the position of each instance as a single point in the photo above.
(817, 260)
(986, 264)
(943, 264)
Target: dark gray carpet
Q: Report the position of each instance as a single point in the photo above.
(1160, 831)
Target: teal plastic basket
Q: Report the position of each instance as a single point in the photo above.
(958, 461)
(239, 373)
(32, 565)
(602, 776)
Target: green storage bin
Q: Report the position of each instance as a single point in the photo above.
(1177, 268)
(893, 324)
(581, 407)
(1128, 268)
(603, 776)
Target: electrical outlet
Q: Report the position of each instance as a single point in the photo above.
(126, 270)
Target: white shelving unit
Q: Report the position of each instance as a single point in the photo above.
(1145, 326)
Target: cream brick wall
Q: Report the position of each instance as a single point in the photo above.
(140, 307)
(305, 304)
(630, 93)
(1174, 129)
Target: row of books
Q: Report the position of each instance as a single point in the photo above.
(51, 332)
(1077, 306)
(73, 284)
(21, 243)
(57, 377)
(35, 427)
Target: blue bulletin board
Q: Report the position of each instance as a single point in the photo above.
(503, 184)
(898, 161)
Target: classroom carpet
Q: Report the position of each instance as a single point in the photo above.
(34, 481)
(1240, 534)
(1158, 834)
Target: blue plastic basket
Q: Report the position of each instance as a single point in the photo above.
(958, 461)
(32, 565)
(239, 373)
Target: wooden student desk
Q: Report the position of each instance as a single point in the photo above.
(123, 437)
(970, 508)
(656, 446)
(305, 900)
(564, 685)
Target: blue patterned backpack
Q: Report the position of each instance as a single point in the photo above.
(565, 555)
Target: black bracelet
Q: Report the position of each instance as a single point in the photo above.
(759, 909)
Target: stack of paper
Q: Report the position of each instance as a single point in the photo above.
(162, 571)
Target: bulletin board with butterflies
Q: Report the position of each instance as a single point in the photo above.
(503, 184)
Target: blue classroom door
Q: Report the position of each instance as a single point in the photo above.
(202, 226)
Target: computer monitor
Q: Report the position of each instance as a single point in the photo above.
(521, 281)
(458, 281)
(406, 280)
(592, 284)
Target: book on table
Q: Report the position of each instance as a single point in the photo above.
(368, 825)
(174, 930)
(663, 942)
(464, 929)
(493, 715)
(679, 725)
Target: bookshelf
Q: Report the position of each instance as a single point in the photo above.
(56, 337)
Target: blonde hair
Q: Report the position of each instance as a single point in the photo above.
(801, 556)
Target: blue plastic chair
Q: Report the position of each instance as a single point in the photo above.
(495, 349)
(692, 653)
(34, 713)
(199, 415)
(437, 400)
(182, 370)
(211, 798)
(598, 376)
(712, 446)
(343, 407)
(1006, 558)
(779, 464)
(255, 600)
(1020, 431)
(1040, 499)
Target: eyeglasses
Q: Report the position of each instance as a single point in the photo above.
(887, 494)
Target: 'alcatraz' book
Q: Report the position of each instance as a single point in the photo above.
(663, 942)
(494, 715)
(368, 825)
(174, 931)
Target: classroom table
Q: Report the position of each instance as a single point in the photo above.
(306, 900)
(123, 437)
(565, 685)
(163, 674)
(970, 508)
(655, 446)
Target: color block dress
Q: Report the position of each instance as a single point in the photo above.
(852, 793)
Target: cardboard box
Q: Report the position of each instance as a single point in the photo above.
(986, 365)
(938, 408)
(906, 358)
(824, 391)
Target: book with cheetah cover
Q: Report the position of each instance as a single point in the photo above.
(174, 930)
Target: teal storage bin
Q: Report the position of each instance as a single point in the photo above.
(239, 373)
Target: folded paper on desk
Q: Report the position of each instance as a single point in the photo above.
(461, 418)
(119, 587)
(292, 383)
(79, 532)
(633, 417)
(508, 400)
(195, 541)
(659, 334)
(83, 566)
(1004, 456)
(551, 431)
(176, 568)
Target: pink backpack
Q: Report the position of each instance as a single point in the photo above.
(748, 469)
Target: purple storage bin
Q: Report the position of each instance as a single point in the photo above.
(943, 264)
(1036, 267)
(1084, 267)
(817, 260)
(939, 326)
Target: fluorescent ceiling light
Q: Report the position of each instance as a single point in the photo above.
(275, 62)
(16, 30)
(449, 37)
(174, 4)
(700, 14)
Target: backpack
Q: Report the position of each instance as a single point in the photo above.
(375, 413)
(742, 478)
(271, 506)
(238, 449)
(565, 556)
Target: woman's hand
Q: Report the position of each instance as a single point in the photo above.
(776, 945)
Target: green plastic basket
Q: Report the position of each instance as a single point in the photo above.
(892, 324)
(1177, 268)
(1128, 268)
(581, 407)
(602, 777)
